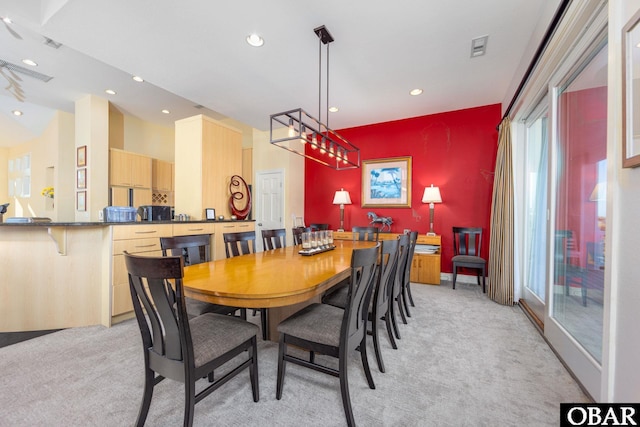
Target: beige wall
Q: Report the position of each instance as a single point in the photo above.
(268, 157)
(50, 154)
(4, 158)
(149, 139)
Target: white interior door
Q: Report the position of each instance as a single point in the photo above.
(269, 202)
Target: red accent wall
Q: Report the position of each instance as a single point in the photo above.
(455, 151)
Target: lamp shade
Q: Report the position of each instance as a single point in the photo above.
(341, 197)
(431, 195)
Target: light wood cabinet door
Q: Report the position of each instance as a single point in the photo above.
(119, 168)
(119, 196)
(140, 171)
(425, 268)
(162, 175)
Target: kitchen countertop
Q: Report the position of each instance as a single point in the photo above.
(100, 223)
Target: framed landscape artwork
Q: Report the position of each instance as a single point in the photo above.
(386, 182)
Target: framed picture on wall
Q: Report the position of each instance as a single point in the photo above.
(386, 183)
(631, 93)
(81, 178)
(81, 156)
(81, 201)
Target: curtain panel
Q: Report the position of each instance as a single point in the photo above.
(501, 259)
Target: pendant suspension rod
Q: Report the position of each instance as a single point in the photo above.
(320, 79)
(327, 99)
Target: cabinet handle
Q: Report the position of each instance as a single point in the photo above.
(146, 246)
(195, 229)
(146, 232)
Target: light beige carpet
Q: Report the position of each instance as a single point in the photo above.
(462, 361)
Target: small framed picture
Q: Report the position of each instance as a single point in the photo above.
(81, 156)
(81, 178)
(81, 201)
(210, 213)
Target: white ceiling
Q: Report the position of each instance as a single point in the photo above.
(194, 52)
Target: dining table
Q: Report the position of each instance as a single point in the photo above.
(282, 280)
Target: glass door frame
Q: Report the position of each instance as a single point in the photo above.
(578, 360)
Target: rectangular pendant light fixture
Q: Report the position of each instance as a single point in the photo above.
(299, 132)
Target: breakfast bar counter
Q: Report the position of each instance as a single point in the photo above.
(67, 274)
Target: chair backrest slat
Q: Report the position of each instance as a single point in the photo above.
(354, 324)
(467, 241)
(194, 249)
(236, 244)
(297, 234)
(318, 226)
(413, 239)
(366, 233)
(387, 265)
(274, 239)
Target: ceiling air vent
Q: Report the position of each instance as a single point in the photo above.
(52, 43)
(25, 71)
(479, 46)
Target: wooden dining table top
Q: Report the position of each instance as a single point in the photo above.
(276, 278)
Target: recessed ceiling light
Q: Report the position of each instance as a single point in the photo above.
(416, 92)
(255, 40)
(138, 79)
(165, 111)
(334, 109)
(17, 112)
(30, 62)
(110, 91)
(7, 20)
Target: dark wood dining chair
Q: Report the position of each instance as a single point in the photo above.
(467, 243)
(274, 239)
(406, 276)
(297, 234)
(332, 331)
(244, 243)
(195, 250)
(366, 233)
(379, 307)
(318, 226)
(240, 243)
(395, 304)
(181, 349)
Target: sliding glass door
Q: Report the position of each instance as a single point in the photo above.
(535, 229)
(576, 259)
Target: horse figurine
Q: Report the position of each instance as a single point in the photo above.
(386, 221)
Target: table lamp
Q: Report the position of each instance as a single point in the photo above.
(431, 195)
(341, 198)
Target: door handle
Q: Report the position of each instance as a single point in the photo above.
(259, 224)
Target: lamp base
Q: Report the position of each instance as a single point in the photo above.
(340, 229)
(431, 234)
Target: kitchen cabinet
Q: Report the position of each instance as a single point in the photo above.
(208, 153)
(129, 169)
(135, 239)
(228, 227)
(162, 175)
(139, 196)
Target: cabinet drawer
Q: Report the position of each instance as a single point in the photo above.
(191, 229)
(121, 232)
(136, 246)
(245, 226)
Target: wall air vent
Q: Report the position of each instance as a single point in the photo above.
(198, 107)
(52, 43)
(479, 46)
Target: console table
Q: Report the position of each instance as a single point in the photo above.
(425, 267)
